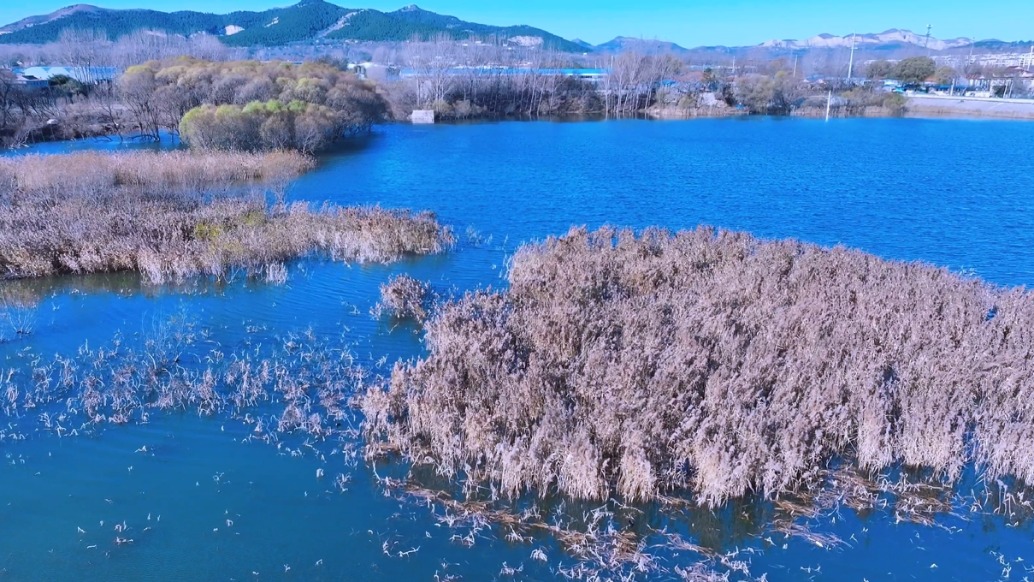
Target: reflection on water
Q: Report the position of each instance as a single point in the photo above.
(114, 143)
(232, 506)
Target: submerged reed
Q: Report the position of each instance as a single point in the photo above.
(715, 364)
(404, 297)
(301, 384)
(170, 216)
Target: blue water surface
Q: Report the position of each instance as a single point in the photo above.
(956, 194)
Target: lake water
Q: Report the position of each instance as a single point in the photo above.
(204, 502)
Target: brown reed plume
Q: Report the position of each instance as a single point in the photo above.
(712, 363)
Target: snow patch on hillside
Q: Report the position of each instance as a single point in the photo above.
(528, 41)
(889, 37)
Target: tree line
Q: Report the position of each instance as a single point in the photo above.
(248, 104)
(460, 81)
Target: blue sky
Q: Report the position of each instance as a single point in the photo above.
(687, 22)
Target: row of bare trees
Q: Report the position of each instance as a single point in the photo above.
(474, 79)
(86, 102)
(634, 78)
(464, 80)
(87, 48)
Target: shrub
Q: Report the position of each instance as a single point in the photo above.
(251, 105)
(895, 103)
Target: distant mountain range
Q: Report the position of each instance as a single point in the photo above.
(321, 21)
(893, 38)
(306, 21)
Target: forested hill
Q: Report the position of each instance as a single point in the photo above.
(306, 21)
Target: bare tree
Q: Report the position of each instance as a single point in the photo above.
(634, 78)
(432, 60)
(137, 87)
(83, 50)
(7, 101)
(146, 45)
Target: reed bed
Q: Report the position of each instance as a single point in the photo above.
(713, 364)
(89, 173)
(175, 216)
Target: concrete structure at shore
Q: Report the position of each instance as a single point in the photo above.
(422, 116)
(948, 106)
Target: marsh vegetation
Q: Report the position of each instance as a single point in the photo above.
(171, 216)
(713, 364)
(247, 369)
(299, 384)
(404, 297)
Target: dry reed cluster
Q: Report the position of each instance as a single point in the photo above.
(404, 297)
(715, 364)
(174, 216)
(91, 173)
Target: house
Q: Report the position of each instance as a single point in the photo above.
(22, 81)
(31, 83)
(1009, 81)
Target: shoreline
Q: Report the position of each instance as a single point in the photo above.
(938, 106)
(918, 107)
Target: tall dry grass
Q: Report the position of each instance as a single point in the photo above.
(88, 173)
(174, 216)
(716, 364)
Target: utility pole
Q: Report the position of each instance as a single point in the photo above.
(850, 64)
(795, 64)
(926, 45)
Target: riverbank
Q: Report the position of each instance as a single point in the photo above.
(969, 107)
(705, 105)
(916, 106)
